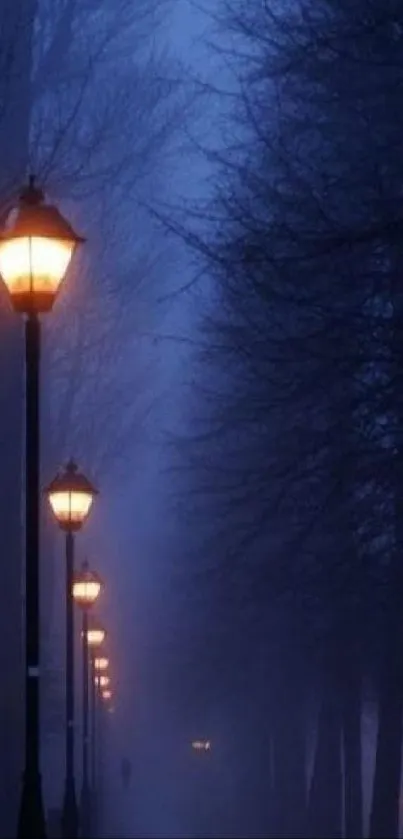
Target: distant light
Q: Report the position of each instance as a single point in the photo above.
(95, 636)
(86, 587)
(86, 592)
(101, 663)
(201, 745)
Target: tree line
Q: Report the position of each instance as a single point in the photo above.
(297, 461)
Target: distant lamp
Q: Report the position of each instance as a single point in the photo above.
(101, 663)
(102, 681)
(86, 590)
(95, 636)
(36, 247)
(86, 587)
(70, 496)
(201, 745)
(107, 695)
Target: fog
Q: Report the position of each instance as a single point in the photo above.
(136, 538)
(223, 361)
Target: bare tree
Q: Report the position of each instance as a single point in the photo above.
(302, 461)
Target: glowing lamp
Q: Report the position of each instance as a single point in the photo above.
(70, 496)
(201, 745)
(101, 663)
(95, 636)
(86, 587)
(107, 695)
(36, 247)
(102, 681)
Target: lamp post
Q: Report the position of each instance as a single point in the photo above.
(36, 247)
(94, 685)
(96, 636)
(100, 680)
(70, 496)
(86, 589)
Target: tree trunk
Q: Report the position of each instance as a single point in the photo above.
(384, 818)
(384, 821)
(289, 769)
(325, 795)
(351, 730)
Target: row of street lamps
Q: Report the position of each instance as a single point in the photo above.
(86, 589)
(36, 247)
(71, 497)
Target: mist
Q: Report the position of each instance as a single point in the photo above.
(222, 366)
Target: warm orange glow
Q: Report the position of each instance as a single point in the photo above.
(86, 592)
(101, 663)
(71, 507)
(36, 246)
(201, 745)
(106, 695)
(86, 587)
(33, 267)
(71, 495)
(102, 681)
(95, 636)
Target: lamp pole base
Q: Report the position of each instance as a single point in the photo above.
(31, 817)
(69, 823)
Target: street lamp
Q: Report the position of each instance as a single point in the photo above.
(102, 681)
(201, 745)
(70, 496)
(106, 695)
(101, 663)
(95, 636)
(86, 590)
(36, 247)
